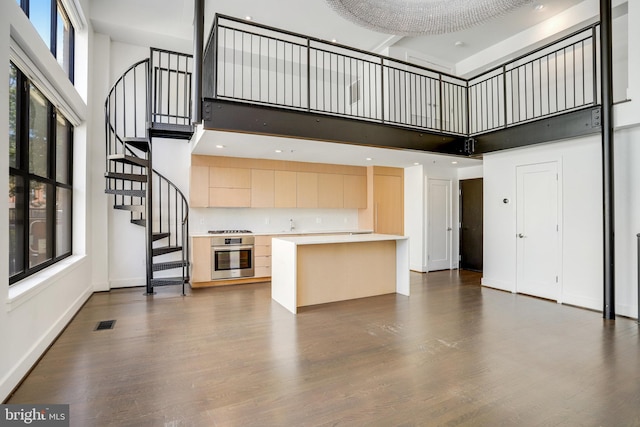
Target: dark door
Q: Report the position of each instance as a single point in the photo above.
(471, 224)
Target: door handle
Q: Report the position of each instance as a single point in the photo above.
(449, 229)
(522, 236)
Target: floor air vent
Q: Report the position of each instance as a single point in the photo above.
(105, 324)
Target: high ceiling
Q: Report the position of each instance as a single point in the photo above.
(168, 24)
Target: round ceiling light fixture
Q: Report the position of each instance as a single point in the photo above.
(419, 17)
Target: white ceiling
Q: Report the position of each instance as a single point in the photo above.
(168, 24)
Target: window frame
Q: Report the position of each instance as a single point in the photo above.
(53, 36)
(22, 172)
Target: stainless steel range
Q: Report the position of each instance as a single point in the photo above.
(231, 256)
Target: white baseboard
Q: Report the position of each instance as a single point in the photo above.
(128, 283)
(22, 367)
(503, 285)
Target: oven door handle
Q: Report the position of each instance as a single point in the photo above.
(232, 247)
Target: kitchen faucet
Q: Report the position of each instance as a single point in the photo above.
(291, 225)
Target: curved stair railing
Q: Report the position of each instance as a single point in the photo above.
(154, 202)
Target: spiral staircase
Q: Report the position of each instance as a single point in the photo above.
(152, 99)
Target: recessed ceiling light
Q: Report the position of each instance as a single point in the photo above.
(368, 159)
(334, 40)
(278, 151)
(248, 18)
(538, 6)
(459, 43)
(416, 164)
(219, 146)
(454, 163)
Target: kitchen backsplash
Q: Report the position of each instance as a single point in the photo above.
(271, 219)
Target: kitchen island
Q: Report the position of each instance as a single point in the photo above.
(311, 270)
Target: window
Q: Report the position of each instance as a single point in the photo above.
(40, 179)
(52, 23)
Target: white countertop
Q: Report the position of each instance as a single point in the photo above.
(285, 233)
(340, 238)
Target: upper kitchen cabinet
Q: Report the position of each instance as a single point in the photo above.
(259, 183)
(199, 187)
(262, 188)
(330, 190)
(286, 189)
(229, 187)
(355, 192)
(307, 190)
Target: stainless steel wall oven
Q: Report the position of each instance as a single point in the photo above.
(231, 257)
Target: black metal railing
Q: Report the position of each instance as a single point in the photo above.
(554, 79)
(258, 64)
(171, 87)
(254, 63)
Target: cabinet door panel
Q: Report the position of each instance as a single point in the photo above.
(262, 188)
(285, 189)
(307, 189)
(355, 191)
(330, 190)
(230, 197)
(199, 187)
(201, 271)
(388, 204)
(229, 177)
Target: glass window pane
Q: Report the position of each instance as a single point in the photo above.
(38, 147)
(16, 225)
(40, 17)
(13, 86)
(63, 221)
(62, 149)
(63, 40)
(39, 248)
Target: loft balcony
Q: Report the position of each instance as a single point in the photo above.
(264, 80)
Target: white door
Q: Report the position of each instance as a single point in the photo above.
(439, 228)
(537, 228)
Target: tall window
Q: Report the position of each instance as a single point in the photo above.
(52, 23)
(40, 179)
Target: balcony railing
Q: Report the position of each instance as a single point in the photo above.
(254, 63)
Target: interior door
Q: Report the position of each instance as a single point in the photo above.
(439, 225)
(537, 228)
(471, 223)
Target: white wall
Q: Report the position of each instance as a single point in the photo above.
(415, 216)
(34, 311)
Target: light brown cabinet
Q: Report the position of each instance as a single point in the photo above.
(259, 183)
(262, 257)
(201, 263)
(330, 190)
(385, 206)
(199, 187)
(307, 190)
(355, 192)
(286, 192)
(262, 188)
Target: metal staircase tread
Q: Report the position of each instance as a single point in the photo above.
(140, 222)
(169, 281)
(162, 250)
(121, 192)
(126, 176)
(141, 143)
(170, 130)
(161, 266)
(133, 208)
(132, 160)
(159, 236)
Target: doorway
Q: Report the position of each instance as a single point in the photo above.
(439, 225)
(471, 222)
(538, 230)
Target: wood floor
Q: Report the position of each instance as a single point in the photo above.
(452, 354)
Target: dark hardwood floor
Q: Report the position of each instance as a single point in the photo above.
(452, 354)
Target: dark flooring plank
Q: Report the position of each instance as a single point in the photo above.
(452, 354)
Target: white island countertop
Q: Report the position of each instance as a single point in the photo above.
(310, 270)
(284, 233)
